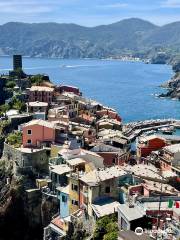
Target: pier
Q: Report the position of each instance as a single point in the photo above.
(135, 129)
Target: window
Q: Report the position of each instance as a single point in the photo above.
(29, 141)
(74, 202)
(29, 131)
(107, 189)
(64, 199)
(74, 187)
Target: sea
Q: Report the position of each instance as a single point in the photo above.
(129, 87)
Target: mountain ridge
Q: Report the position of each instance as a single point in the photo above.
(68, 40)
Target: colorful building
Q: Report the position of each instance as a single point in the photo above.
(63, 196)
(148, 144)
(70, 89)
(169, 158)
(33, 107)
(99, 187)
(37, 132)
(111, 155)
(41, 94)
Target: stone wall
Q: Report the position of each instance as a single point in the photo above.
(25, 162)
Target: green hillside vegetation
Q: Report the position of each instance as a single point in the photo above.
(129, 36)
(106, 228)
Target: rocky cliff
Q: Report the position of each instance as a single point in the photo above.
(173, 85)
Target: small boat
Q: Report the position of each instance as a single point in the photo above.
(167, 130)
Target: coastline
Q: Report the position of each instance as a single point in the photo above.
(120, 58)
(96, 81)
(172, 86)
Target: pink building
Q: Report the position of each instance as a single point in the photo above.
(37, 132)
(41, 94)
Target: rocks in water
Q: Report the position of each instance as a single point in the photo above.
(160, 58)
(173, 85)
(176, 67)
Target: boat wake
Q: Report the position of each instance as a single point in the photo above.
(76, 66)
(28, 68)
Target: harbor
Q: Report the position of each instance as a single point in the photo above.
(135, 129)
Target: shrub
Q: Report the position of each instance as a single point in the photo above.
(15, 139)
(111, 236)
(10, 84)
(37, 79)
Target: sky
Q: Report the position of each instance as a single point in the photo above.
(89, 12)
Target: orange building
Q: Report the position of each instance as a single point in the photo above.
(37, 132)
(148, 144)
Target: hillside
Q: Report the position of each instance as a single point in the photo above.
(130, 36)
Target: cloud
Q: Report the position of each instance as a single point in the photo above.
(171, 4)
(25, 7)
(115, 5)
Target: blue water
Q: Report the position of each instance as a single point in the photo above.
(128, 87)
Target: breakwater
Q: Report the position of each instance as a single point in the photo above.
(134, 129)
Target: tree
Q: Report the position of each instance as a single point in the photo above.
(15, 139)
(10, 84)
(4, 108)
(18, 104)
(104, 226)
(111, 236)
(112, 227)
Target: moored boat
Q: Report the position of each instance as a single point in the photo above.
(167, 130)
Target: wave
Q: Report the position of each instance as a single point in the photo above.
(41, 67)
(45, 67)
